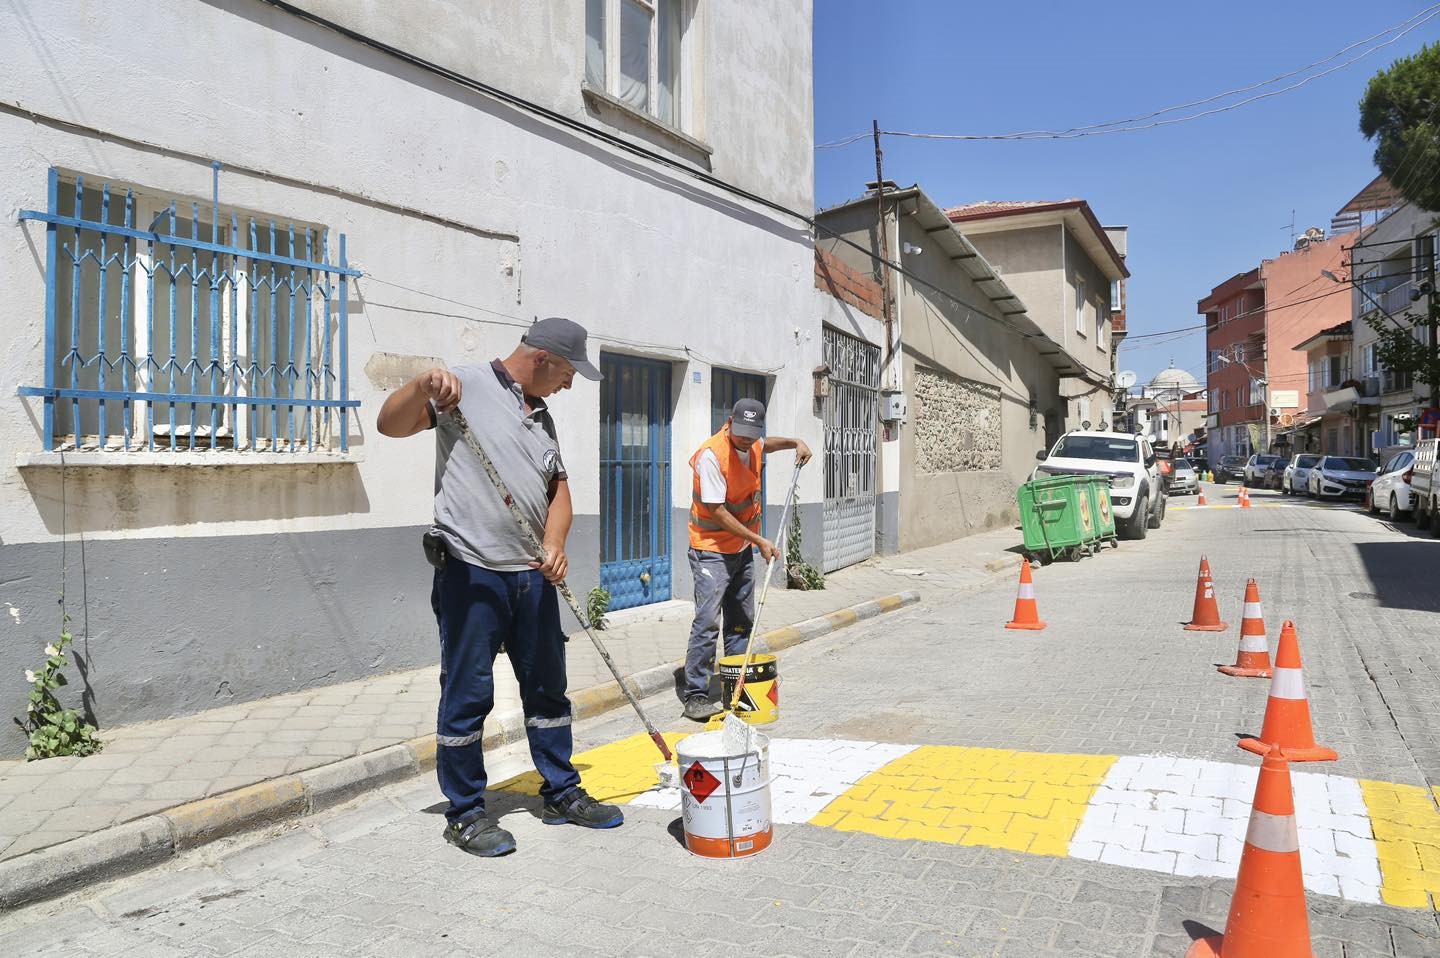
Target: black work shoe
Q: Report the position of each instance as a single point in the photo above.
(480, 837)
(576, 807)
(699, 708)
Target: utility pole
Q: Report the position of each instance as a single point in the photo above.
(884, 237)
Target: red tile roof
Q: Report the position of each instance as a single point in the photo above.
(989, 207)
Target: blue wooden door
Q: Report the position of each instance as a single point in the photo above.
(634, 480)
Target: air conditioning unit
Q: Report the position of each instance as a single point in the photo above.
(1370, 386)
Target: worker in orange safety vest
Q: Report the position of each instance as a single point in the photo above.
(725, 512)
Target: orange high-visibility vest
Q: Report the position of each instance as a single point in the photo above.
(742, 496)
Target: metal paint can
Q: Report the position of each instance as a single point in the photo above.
(725, 798)
(760, 698)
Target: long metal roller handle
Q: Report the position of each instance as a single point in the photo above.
(533, 541)
(765, 587)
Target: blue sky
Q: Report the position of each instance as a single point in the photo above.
(1204, 200)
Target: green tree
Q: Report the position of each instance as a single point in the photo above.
(1400, 111)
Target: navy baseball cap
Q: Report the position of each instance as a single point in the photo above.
(747, 419)
(566, 339)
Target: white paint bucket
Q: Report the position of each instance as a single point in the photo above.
(725, 798)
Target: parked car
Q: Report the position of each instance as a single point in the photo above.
(1425, 485)
(1230, 467)
(1270, 478)
(1296, 478)
(1391, 490)
(1137, 494)
(1186, 479)
(1341, 476)
(1256, 468)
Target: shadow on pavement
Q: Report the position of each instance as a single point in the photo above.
(1404, 574)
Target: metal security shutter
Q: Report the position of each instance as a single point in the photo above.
(851, 417)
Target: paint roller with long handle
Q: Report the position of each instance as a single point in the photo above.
(533, 542)
(764, 591)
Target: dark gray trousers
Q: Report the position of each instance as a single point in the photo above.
(724, 591)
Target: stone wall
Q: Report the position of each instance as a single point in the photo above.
(957, 424)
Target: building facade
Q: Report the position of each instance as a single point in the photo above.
(1323, 429)
(971, 381)
(220, 271)
(1392, 272)
(1256, 380)
(1067, 269)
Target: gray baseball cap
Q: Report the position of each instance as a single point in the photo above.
(565, 339)
(747, 419)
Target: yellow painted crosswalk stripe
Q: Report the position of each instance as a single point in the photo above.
(1023, 801)
(1406, 822)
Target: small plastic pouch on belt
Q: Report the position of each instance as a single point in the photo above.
(434, 545)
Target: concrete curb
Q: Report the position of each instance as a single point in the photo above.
(145, 842)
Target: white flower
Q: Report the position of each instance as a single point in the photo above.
(51, 650)
(29, 676)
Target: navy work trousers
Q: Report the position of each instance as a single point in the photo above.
(479, 611)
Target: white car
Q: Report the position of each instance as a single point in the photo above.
(1340, 476)
(1296, 479)
(1137, 496)
(1391, 489)
(1257, 468)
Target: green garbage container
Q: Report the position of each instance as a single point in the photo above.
(1099, 490)
(1058, 517)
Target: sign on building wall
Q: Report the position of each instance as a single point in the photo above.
(1285, 399)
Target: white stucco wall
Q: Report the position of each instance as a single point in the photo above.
(469, 219)
(509, 219)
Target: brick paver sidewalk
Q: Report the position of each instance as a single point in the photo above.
(153, 766)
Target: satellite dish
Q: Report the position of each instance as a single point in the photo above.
(1126, 379)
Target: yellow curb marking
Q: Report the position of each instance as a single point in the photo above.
(1022, 801)
(613, 773)
(1406, 823)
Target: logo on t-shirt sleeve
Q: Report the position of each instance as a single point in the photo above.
(551, 463)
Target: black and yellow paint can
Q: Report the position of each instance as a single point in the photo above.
(760, 698)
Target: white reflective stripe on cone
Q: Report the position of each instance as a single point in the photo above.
(1027, 591)
(1272, 833)
(1288, 684)
(1253, 643)
(1252, 611)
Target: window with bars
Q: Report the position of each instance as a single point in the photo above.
(181, 326)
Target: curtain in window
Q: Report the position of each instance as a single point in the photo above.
(595, 43)
(634, 55)
(670, 30)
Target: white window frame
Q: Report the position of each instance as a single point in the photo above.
(688, 119)
(1080, 302)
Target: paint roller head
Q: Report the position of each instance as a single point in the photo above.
(737, 737)
(668, 773)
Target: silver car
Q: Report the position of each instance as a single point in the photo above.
(1184, 480)
(1341, 476)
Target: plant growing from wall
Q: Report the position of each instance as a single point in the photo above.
(597, 603)
(54, 730)
(799, 574)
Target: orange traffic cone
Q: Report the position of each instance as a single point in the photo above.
(1287, 712)
(1206, 617)
(1027, 613)
(1201, 501)
(1267, 912)
(1253, 659)
(1244, 497)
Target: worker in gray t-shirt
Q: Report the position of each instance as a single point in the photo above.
(490, 592)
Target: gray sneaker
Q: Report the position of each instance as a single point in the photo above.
(699, 708)
(480, 837)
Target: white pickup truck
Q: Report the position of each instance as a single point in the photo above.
(1137, 496)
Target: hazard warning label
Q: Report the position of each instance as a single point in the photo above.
(700, 782)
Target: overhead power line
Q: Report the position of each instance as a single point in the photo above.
(1137, 123)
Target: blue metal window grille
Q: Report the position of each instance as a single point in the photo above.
(198, 327)
(635, 513)
(727, 387)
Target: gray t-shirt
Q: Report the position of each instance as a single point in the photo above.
(469, 513)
